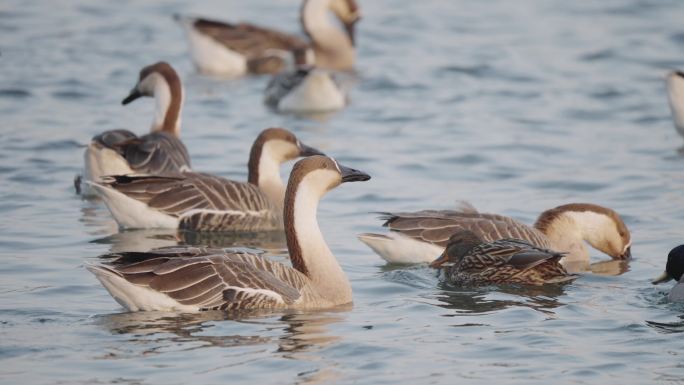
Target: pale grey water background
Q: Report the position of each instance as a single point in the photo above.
(513, 106)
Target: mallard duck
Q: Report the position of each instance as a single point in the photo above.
(416, 237)
(674, 269)
(161, 152)
(468, 260)
(222, 48)
(203, 202)
(193, 279)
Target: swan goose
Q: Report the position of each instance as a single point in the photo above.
(307, 89)
(469, 261)
(204, 202)
(221, 48)
(674, 269)
(161, 152)
(418, 236)
(193, 279)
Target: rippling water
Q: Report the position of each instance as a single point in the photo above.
(513, 106)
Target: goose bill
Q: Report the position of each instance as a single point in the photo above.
(662, 278)
(351, 175)
(305, 150)
(132, 96)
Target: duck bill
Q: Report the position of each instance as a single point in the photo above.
(662, 278)
(305, 150)
(437, 263)
(135, 94)
(352, 175)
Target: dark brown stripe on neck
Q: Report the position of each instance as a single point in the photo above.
(170, 124)
(549, 216)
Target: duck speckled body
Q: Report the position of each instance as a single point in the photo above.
(469, 261)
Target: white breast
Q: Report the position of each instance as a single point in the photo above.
(212, 57)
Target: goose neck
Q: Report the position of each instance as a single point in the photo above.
(309, 252)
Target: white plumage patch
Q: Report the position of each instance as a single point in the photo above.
(132, 214)
(397, 248)
(212, 57)
(134, 297)
(318, 92)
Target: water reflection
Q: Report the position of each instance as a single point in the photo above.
(158, 331)
(148, 239)
(494, 298)
(612, 267)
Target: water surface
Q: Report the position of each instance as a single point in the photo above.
(514, 106)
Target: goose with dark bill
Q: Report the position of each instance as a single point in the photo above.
(194, 279)
(674, 270)
(223, 48)
(468, 260)
(203, 202)
(416, 237)
(161, 152)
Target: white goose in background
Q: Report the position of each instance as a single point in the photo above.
(194, 279)
(221, 48)
(675, 95)
(305, 90)
(419, 237)
(161, 152)
(203, 202)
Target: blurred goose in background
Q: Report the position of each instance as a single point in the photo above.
(203, 202)
(418, 236)
(467, 260)
(194, 279)
(161, 152)
(674, 270)
(675, 95)
(306, 89)
(221, 48)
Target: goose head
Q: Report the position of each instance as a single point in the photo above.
(460, 244)
(151, 78)
(675, 93)
(271, 148)
(674, 268)
(160, 81)
(601, 227)
(319, 174)
(347, 11)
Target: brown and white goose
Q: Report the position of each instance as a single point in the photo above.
(161, 152)
(417, 237)
(203, 202)
(222, 48)
(193, 279)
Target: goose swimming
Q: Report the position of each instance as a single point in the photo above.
(227, 49)
(161, 152)
(203, 202)
(417, 237)
(675, 96)
(674, 270)
(469, 261)
(193, 279)
(306, 89)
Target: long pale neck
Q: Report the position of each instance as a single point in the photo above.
(269, 180)
(566, 235)
(332, 47)
(675, 93)
(168, 98)
(308, 251)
